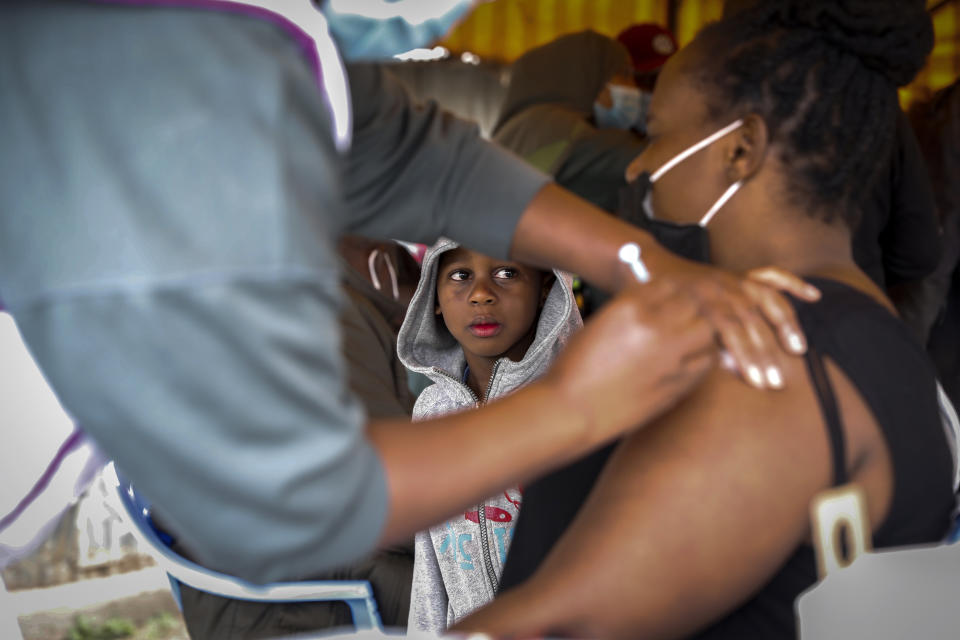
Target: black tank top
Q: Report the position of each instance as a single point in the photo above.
(896, 381)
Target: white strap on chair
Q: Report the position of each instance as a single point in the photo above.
(843, 511)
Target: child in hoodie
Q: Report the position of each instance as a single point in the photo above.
(480, 328)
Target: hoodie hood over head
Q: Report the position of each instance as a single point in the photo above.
(425, 346)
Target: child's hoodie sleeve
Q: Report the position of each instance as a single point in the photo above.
(428, 596)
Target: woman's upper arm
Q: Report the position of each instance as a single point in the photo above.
(692, 514)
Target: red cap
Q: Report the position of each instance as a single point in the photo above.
(649, 45)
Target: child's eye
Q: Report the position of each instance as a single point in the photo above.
(459, 275)
(507, 273)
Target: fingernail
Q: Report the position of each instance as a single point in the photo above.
(796, 343)
(774, 377)
(755, 376)
(813, 292)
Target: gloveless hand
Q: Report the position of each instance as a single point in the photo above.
(635, 358)
(751, 316)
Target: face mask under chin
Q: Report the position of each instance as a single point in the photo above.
(688, 240)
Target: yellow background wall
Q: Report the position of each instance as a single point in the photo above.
(504, 29)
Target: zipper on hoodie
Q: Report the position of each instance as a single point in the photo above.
(485, 542)
(481, 509)
(493, 374)
(476, 401)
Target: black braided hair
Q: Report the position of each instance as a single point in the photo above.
(823, 75)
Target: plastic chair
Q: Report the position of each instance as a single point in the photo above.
(357, 594)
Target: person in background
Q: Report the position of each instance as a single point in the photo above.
(933, 306)
(379, 278)
(650, 46)
(897, 242)
(764, 132)
(480, 328)
(574, 126)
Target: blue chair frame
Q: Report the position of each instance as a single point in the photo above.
(357, 594)
(954, 536)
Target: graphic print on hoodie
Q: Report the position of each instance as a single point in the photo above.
(458, 563)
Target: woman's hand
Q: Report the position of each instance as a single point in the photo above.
(751, 316)
(765, 287)
(634, 359)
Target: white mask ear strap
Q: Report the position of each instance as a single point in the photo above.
(393, 277)
(719, 203)
(683, 155)
(372, 266)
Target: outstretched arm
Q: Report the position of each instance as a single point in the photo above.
(649, 345)
(559, 229)
(416, 172)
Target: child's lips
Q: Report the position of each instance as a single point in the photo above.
(485, 328)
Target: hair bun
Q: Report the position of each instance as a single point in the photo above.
(891, 37)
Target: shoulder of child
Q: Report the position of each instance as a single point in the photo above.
(432, 402)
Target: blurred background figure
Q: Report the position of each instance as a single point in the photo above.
(582, 128)
(650, 45)
(379, 278)
(575, 126)
(897, 242)
(932, 307)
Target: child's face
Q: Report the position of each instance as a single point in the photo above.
(489, 306)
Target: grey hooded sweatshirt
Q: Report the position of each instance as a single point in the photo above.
(458, 563)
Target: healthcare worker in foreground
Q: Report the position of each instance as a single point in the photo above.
(173, 179)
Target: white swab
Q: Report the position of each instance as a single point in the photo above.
(629, 254)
